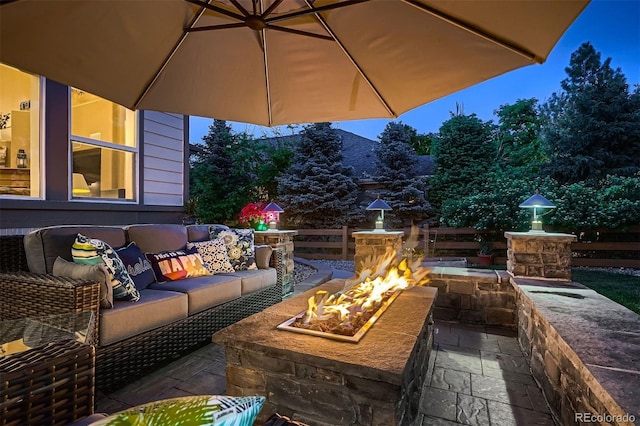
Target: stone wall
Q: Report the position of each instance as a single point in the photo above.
(374, 244)
(283, 241)
(581, 350)
(476, 296)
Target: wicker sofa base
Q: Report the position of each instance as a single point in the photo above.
(125, 361)
(49, 385)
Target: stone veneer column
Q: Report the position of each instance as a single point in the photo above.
(282, 240)
(374, 244)
(539, 255)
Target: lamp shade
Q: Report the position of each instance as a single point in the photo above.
(378, 204)
(80, 186)
(537, 201)
(272, 207)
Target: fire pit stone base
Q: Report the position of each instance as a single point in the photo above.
(318, 381)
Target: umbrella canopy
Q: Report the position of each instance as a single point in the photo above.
(274, 62)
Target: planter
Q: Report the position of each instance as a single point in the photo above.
(485, 259)
(259, 226)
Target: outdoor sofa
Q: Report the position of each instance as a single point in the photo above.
(134, 337)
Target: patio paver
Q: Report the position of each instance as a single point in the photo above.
(460, 389)
(477, 376)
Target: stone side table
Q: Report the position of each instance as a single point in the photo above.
(374, 244)
(283, 240)
(539, 255)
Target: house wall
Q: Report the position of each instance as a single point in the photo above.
(162, 175)
(163, 158)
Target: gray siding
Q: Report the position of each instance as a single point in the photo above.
(163, 159)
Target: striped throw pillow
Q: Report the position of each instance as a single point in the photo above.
(90, 251)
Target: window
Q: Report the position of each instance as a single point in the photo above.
(19, 133)
(104, 148)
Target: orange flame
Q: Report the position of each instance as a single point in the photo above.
(377, 281)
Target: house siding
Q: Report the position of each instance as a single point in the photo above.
(163, 159)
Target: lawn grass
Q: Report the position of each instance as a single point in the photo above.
(621, 288)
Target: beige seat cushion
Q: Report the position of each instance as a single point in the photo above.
(204, 292)
(154, 309)
(256, 279)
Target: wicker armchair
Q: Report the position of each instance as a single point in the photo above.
(51, 384)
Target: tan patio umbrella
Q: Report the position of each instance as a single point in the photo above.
(274, 62)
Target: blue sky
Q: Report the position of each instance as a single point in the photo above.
(612, 27)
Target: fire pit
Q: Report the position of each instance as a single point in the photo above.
(349, 313)
(335, 329)
(377, 381)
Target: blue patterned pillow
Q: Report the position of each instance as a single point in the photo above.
(240, 247)
(89, 251)
(137, 264)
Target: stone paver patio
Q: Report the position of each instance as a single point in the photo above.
(478, 376)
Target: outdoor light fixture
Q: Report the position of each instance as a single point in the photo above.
(378, 204)
(537, 202)
(80, 187)
(272, 211)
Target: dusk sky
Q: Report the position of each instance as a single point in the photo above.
(612, 27)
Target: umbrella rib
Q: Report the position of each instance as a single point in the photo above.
(298, 32)
(267, 85)
(313, 10)
(169, 56)
(238, 6)
(271, 8)
(215, 27)
(355, 64)
(476, 31)
(217, 9)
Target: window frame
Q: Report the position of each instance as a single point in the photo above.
(134, 150)
(41, 146)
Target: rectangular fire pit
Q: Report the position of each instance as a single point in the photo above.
(289, 324)
(376, 381)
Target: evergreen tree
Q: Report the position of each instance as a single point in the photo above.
(594, 123)
(464, 155)
(221, 187)
(404, 187)
(422, 143)
(274, 161)
(520, 149)
(317, 191)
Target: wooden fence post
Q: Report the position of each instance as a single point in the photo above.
(425, 229)
(345, 243)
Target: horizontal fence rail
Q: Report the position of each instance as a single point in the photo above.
(617, 248)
